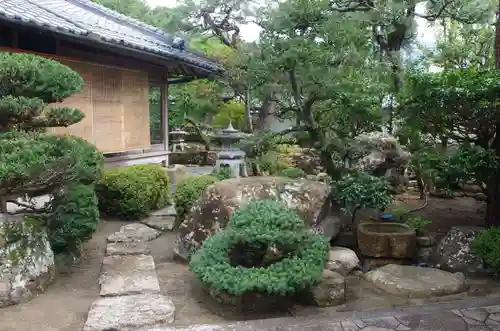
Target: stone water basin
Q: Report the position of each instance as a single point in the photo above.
(387, 240)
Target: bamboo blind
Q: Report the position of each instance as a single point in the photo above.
(116, 107)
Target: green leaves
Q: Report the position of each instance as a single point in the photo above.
(132, 192)
(256, 230)
(487, 247)
(188, 191)
(455, 103)
(31, 76)
(361, 190)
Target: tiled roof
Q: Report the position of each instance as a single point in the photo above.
(93, 21)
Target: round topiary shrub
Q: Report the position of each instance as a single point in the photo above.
(132, 192)
(188, 191)
(265, 249)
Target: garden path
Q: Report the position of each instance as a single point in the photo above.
(64, 306)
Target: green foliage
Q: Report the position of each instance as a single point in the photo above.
(233, 112)
(293, 172)
(28, 83)
(487, 247)
(38, 163)
(74, 217)
(472, 94)
(417, 223)
(223, 173)
(398, 212)
(188, 191)
(33, 162)
(269, 163)
(266, 248)
(362, 190)
(132, 192)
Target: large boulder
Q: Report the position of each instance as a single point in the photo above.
(416, 282)
(383, 156)
(211, 213)
(26, 260)
(454, 251)
(342, 260)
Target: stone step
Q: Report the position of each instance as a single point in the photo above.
(127, 275)
(134, 232)
(131, 312)
(127, 248)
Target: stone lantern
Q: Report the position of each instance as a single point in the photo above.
(178, 139)
(230, 155)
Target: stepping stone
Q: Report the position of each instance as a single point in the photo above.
(134, 232)
(162, 220)
(128, 274)
(127, 248)
(130, 312)
(417, 282)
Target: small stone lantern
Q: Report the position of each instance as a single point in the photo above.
(229, 155)
(178, 139)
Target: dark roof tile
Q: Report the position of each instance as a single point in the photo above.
(83, 17)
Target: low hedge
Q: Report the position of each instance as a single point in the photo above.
(188, 191)
(266, 248)
(132, 192)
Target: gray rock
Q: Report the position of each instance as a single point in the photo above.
(127, 248)
(212, 211)
(454, 251)
(162, 220)
(416, 282)
(128, 274)
(329, 292)
(130, 312)
(134, 232)
(342, 260)
(426, 241)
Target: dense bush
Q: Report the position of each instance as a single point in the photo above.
(188, 191)
(132, 192)
(34, 162)
(223, 173)
(487, 247)
(362, 190)
(293, 172)
(74, 217)
(266, 248)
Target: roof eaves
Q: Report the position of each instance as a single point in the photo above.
(14, 18)
(122, 17)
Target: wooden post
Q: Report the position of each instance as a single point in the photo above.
(164, 115)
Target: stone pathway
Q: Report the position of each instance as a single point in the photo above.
(130, 296)
(485, 318)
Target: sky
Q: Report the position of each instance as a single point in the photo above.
(250, 32)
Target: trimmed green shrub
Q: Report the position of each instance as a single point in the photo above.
(223, 173)
(487, 247)
(266, 248)
(188, 191)
(74, 218)
(292, 172)
(132, 192)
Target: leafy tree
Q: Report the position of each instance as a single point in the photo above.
(34, 162)
(462, 105)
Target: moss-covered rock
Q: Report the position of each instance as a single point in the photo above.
(27, 260)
